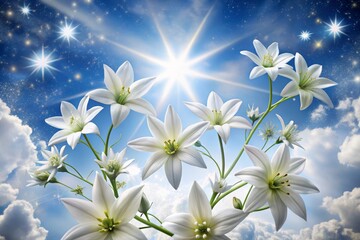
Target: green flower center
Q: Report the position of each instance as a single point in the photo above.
(306, 81)
(124, 93)
(217, 117)
(107, 224)
(279, 181)
(113, 166)
(290, 132)
(42, 176)
(202, 230)
(76, 124)
(54, 160)
(268, 61)
(171, 146)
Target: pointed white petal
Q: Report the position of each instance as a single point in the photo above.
(102, 195)
(192, 133)
(257, 198)
(73, 139)
(199, 205)
(125, 207)
(173, 170)
(297, 165)
(84, 231)
(300, 64)
(59, 136)
(118, 113)
(90, 128)
(322, 95)
(82, 108)
(223, 131)
(191, 156)
(239, 122)
(157, 128)
(126, 74)
(258, 157)
(281, 121)
(156, 161)
(323, 83)
(273, 50)
(294, 202)
(257, 72)
(227, 220)
(278, 209)
(252, 56)
(290, 74)
(282, 59)
(57, 122)
(214, 101)
(141, 87)
(306, 99)
(68, 110)
(290, 90)
(102, 95)
(315, 70)
(92, 112)
(259, 48)
(253, 175)
(230, 108)
(127, 231)
(272, 72)
(172, 123)
(81, 210)
(302, 185)
(142, 106)
(181, 224)
(111, 80)
(200, 110)
(146, 144)
(281, 160)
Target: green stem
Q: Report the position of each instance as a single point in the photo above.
(67, 164)
(107, 139)
(113, 184)
(209, 156)
(81, 178)
(270, 146)
(269, 108)
(155, 218)
(267, 139)
(227, 193)
(213, 197)
(91, 147)
(247, 195)
(222, 157)
(63, 184)
(261, 209)
(153, 225)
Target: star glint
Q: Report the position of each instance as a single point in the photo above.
(305, 35)
(67, 32)
(335, 28)
(42, 62)
(25, 10)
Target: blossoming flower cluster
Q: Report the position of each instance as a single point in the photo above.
(273, 184)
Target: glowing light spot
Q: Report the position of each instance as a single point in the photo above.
(335, 28)
(9, 13)
(13, 69)
(318, 44)
(67, 32)
(27, 42)
(25, 10)
(357, 79)
(305, 35)
(77, 76)
(42, 62)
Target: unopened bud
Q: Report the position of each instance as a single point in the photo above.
(237, 203)
(144, 204)
(197, 144)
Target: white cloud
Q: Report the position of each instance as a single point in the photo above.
(318, 113)
(349, 151)
(350, 111)
(18, 222)
(347, 207)
(344, 104)
(17, 149)
(7, 193)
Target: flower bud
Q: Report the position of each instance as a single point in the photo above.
(144, 204)
(197, 144)
(237, 203)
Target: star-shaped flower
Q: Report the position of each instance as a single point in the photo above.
(54, 161)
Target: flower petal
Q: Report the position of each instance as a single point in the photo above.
(297, 165)
(282, 59)
(155, 162)
(306, 99)
(141, 87)
(294, 202)
(227, 220)
(112, 81)
(157, 128)
(281, 121)
(172, 123)
(302, 185)
(314, 70)
(68, 110)
(199, 205)
(300, 64)
(281, 160)
(173, 170)
(126, 74)
(118, 113)
(323, 83)
(102, 196)
(84, 231)
(92, 112)
(272, 72)
(273, 50)
(214, 101)
(200, 110)
(258, 157)
(73, 139)
(192, 133)
(102, 95)
(142, 106)
(57, 122)
(191, 156)
(290, 90)
(125, 207)
(322, 95)
(257, 198)
(252, 56)
(259, 48)
(81, 210)
(223, 131)
(181, 224)
(90, 128)
(230, 108)
(278, 209)
(59, 136)
(82, 108)
(290, 74)
(146, 144)
(253, 175)
(127, 231)
(239, 122)
(257, 72)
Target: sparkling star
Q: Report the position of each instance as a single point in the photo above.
(318, 44)
(305, 35)
(25, 10)
(357, 79)
(42, 62)
(335, 28)
(67, 32)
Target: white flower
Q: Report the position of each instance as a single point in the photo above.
(268, 60)
(253, 113)
(54, 160)
(219, 186)
(306, 82)
(268, 132)
(289, 133)
(40, 178)
(123, 93)
(113, 163)
(200, 223)
(277, 183)
(171, 146)
(106, 217)
(220, 115)
(73, 122)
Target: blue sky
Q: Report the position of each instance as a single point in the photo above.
(209, 35)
